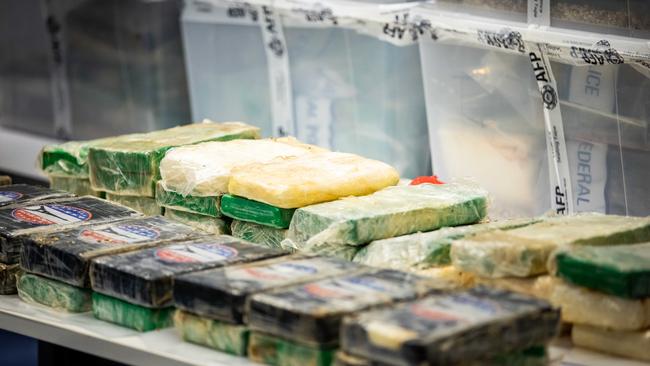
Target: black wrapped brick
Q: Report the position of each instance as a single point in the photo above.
(451, 328)
(221, 293)
(16, 194)
(16, 221)
(312, 313)
(66, 255)
(145, 277)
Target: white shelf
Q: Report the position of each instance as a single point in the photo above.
(84, 333)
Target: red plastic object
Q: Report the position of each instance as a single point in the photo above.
(426, 179)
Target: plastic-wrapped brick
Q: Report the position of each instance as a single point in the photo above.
(208, 224)
(229, 338)
(451, 328)
(222, 293)
(243, 209)
(634, 344)
(53, 294)
(77, 186)
(258, 234)
(129, 165)
(21, 193)
(524, 251)
(622, 270)
(145, 205)
(8, 273)
(312, 313)
(271, 350)
(44, 216)
(129, 315)
(66, 255)
(202, 205)
(145, 277)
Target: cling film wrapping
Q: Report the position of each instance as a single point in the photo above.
(524, 252)
(448, 277)
(54, 294)
(74, 185)
(312, 313)
(14, 194)
(222, 293)
(129, 165)
(8, 273)
(243, 209)
(146, 277)
(207, 224)
(258, 234)
(130, 315)
(392, 211)
(145, 205)
(630, 344)
(310, 179)
(450, 328)
(66, 255)
(224, 337)
(202, 205)
(621, 270)
(586, 307)
(426, 249)
(204, 169)
(69, 159)
(52, 215)
(276, 351)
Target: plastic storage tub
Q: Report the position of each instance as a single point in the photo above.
(314, 71)
(486, 113)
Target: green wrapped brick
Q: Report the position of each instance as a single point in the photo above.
(229, 338)
(276, 351)
(128, 165)
(243, 209)
(77, 186)
(259, 234)
(208, 224)
(129, 315)
(54, 294)
(524, 252)
(617, 270)
(428, 249)
(207, 206)
(8, 273)
(387, 213)
(145, 205)
(69, 159)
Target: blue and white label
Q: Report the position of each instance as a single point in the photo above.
(273, 273)
(51, 214)
(8, 196)
(196, 253)
(119, 234)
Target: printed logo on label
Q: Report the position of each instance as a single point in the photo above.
(455, 309)
(345, 288)
(8, 196)
(601, 53)
(197, 253)
(50, 214)
(119, 234)
(506, 39)
(276, 272)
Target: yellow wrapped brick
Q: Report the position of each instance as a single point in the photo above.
(310, 179)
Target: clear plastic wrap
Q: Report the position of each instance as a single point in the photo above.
(129, 165)
(426, 249)
(8, 274)
(69, 159)
(66, 255)
(52, 215)
(208, 224)
(129, 315)
(76, 186)
(54, 294)
(244, 209)
(146, 277)
(524, 251)
(586, 307)
(15, 194)
(392, 211)
(276, 351)
(202, 205)
(145, 205)
(448, 277)
(527, 286)
(310, 179)
(212, 333)
(625, 344)
(204, 169)
(312, 313)
(222, 293)
(451, 328)
(258, 234)
(622, 270)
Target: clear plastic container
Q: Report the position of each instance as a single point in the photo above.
(486, 121)
(350, 91)
(622, 17)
